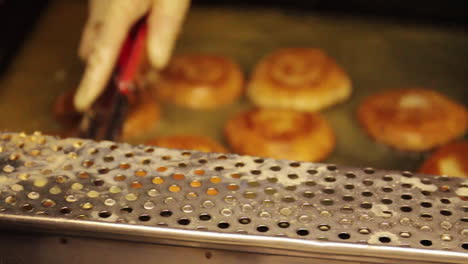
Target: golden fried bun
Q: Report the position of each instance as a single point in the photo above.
(302, 79)
(280, 134)
(412, 119)
(200, 81)
(450, 160)
(188, 142)
(143, 117)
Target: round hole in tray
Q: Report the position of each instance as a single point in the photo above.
(445, 201)
(98, 182)
(239, 164)
(204, 217)
(302, 232)
(144, 218)
(327, 202)
(295, 164)
(445, 212)
(387, 189)
(165, 213)
(406, 197)
(183, 221)
(65, 210)
(275, 168)
(427, 217)
(27, 207)
(330, 179)
(386, 201)
(368, 182)
(406, 209)
(344, 236)
(385, 239)
(256, 172)
(262, 229)
(426, 204)
(223, 225)
(104, 214)
(387, 178)
(126, 209)
(324, 227)
(426, 193)
(244, 220)
(426, 243)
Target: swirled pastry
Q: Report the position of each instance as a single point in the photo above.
(200, 81)
(450, 160)
(281, 134)
(188, 142)
(412, 119)
(303, 79)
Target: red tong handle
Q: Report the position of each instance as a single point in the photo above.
(131, 55)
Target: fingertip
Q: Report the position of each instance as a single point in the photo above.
(82, 99)
(158, 56)
(165, 21)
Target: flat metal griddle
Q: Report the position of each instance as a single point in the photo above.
(378, 55)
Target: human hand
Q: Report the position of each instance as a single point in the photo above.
(106, 29)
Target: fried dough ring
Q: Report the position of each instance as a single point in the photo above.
(188, 142)
(412, 119)
(200, 81)
(281, 134)
(450, 160)
(303, 79)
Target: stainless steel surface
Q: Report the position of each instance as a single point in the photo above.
(377, 54)
(68, 249)
(229, 202)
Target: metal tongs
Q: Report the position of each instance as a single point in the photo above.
(104, 120)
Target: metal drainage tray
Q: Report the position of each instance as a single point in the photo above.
(250, 208)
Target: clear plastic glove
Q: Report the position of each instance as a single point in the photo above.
(108, 24)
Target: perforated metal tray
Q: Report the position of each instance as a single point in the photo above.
(295, 211)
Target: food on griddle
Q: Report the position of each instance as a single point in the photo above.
(450, 160)
(281, 134)
(303, 79)
(143, 117)
(200, 81)
(64, 111)
(188, 142)
(414, 119)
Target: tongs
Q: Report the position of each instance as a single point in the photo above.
(105, 118)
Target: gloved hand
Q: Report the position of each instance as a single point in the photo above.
(108, 24)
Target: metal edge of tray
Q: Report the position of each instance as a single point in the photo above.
(236, 242)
